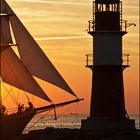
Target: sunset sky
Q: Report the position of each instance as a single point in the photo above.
(60, 29)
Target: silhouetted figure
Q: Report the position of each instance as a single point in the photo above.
(20, 107)
(30, 105)
(2, 111)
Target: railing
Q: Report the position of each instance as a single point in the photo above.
(90, 59)
(91, 26)
(123, 26)
(125, 59)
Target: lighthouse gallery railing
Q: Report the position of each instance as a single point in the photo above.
(123, 26)
(90, 59)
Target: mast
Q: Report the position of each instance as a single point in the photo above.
(53, 106)
(107, 110)
(32, 61)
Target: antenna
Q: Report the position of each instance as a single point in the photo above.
(130, 24)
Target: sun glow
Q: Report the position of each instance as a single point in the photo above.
(60, 30)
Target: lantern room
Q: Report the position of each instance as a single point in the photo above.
(107, 15)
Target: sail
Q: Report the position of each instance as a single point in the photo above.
(14, 72)
(2, 6)
(5, 34)
(33, 57)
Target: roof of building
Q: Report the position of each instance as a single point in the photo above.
(107, 1)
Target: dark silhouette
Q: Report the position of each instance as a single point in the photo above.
(2, 111)
(30, 105)
(20, 107)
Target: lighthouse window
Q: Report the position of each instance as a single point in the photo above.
(99, 8)
(107, 7)
(115, 7)
(104, 7)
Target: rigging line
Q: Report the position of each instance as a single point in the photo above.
(18, 88)
(61, 125)
(2, 100)
(5, 97)
(26, 96)
(33, 97)
(29, 100)
(11, 110)
(18, 94)
(38, 120)
(14, 95)
(55, 116)
(9, 93)
(14, 71)
(15, 78)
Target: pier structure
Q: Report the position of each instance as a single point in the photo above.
(107, 109)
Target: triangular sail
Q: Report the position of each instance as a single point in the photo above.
(2, 6)
(5, 37)
(15, 73)
(33, 57)
(12, 70)
(5, 34)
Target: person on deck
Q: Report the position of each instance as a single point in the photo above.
(2, 111)
(30, 105)
(20, 107)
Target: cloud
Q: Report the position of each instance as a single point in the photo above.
(60, 38)
(55, 2)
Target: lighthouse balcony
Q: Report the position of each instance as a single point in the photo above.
(92, 27)
(90, 61)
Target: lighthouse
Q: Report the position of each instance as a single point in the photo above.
(107, 63)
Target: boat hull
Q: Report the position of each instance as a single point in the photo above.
(13, 125)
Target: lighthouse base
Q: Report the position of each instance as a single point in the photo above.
(106, 124)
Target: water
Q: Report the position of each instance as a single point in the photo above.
(63, 121)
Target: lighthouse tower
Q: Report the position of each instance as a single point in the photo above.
(107, 110)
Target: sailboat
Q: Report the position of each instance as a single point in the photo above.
(19, 71)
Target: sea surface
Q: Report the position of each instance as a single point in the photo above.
(63, 121)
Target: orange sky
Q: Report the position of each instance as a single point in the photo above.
(60, 28)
